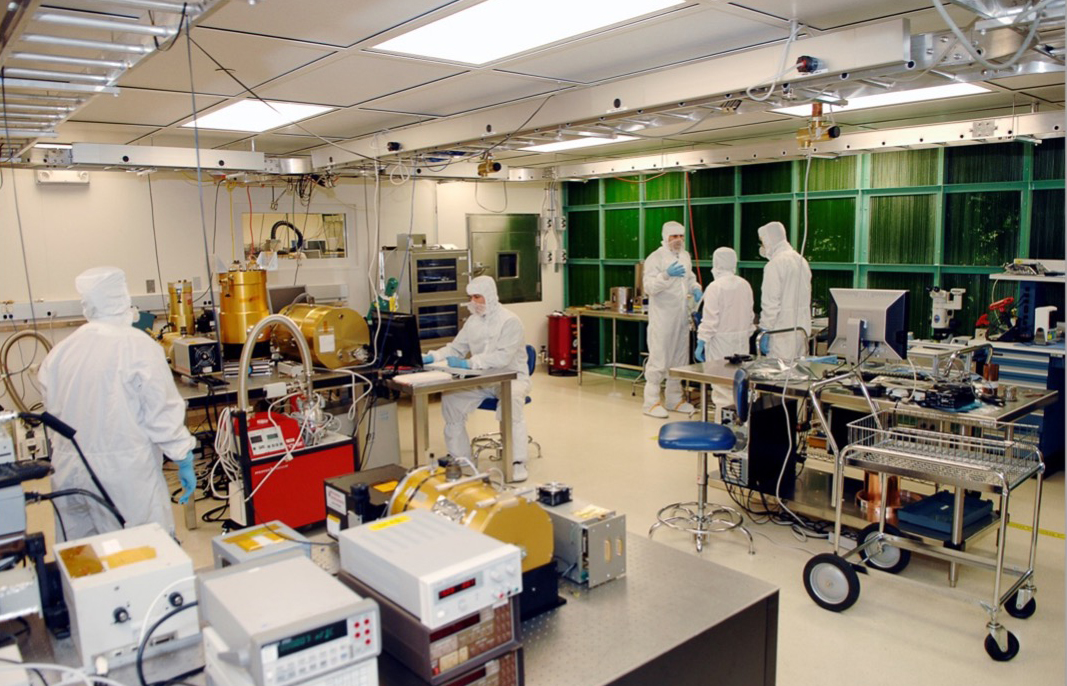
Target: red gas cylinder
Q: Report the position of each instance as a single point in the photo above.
(562, 344)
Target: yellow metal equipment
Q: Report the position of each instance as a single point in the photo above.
(180, 308)
(479, 505)
(338, 337)
(242, 304)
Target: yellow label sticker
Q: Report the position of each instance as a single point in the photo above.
(130, 556)
(81, 560)
(254, 539)
(386, 523)
(386, 486)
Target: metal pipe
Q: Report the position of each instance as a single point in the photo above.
(771, 332)
(25, 133)
(48, 74)
(30, 115)
(192, 8)
(63, 59)
(91, 44)
(6, 348)
(39, 108)
(250, 342)
(59, 86)
(970, 349)
(105, 24)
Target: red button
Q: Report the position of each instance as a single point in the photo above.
(366, 621)
(357, 634)
(368, 641)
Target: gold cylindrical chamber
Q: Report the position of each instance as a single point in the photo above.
(242, 303)
(480, 506)
(337, 336)
(180, 307)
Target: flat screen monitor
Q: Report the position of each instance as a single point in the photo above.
(396, 340)
(282, 296)
(868, 322)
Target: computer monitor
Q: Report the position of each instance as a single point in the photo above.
(868, 322)
(282, 296)
(396, 340)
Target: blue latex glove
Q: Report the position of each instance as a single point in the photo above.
(427, 359)
(698, 354)
(187, 477)
(676, 269)
(765, 345)
(459, 362)
(697, 293)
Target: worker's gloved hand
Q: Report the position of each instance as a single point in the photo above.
(459, 362)
(676, 269)
(187, 477)
(427, 359)
(697, 293)
(698, 354)
(765, 345)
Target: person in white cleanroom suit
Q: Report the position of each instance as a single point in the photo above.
(110, 382)
(727, 322)
(785, 298)
(491, 338)
(668, 279)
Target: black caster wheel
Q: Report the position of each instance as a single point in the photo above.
(889, 559)
(999, 655)
(1024, 612)
(831, 582)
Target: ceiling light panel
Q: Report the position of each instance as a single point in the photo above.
(488, 31)
(953, 90)
(572, 144)
(254, 116)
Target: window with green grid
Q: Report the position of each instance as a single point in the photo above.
(909, 219)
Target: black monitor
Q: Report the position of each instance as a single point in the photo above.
(396, 336)
(868, 322)
(282, 296)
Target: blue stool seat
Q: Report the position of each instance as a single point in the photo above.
(697, 437)
(492, 403)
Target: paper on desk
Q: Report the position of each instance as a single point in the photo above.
(422, 378)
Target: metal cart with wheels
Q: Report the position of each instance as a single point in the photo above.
(970, 455)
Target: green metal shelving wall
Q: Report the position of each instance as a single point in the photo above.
(908, 219)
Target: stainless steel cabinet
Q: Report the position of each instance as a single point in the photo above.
(505, 246)
(433, 287)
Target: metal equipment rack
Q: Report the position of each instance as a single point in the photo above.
(990, 457)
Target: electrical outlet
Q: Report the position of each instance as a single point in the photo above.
(196, 283)
(150, 285)
(562, 223)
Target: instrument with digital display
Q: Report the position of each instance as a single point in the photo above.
(437, 570)
(316, 631)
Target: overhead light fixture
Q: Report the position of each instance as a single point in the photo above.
(584, 142)
(482, 33)
(952, 90)
(54, 146)
(254, 116)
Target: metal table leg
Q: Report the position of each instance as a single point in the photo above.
(505, 428)
(579, 365)
(421, 420)
(614, 366)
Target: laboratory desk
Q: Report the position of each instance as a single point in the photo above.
(673, 619)
(814, 491)
(614, 316)
(420, 404)
(200, 394)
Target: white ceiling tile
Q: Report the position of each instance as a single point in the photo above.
(684, 35)
(1031, 81)
(461, 94)
(354, 78)
(252, 59)
(117, 134)
(1050, 93)
(829, 14)
(330, 22)
(184, 138)
(136, 106)
(350, 123)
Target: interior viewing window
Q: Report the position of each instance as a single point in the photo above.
(317, 235)
(507, 265)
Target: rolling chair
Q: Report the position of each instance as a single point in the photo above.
(701, 518)
(491, 441)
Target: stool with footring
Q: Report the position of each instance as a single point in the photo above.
(701, 518)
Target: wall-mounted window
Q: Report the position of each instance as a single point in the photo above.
(318, 235)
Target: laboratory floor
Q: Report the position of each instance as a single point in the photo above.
(909, 628)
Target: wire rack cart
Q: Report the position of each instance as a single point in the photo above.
(989, 457)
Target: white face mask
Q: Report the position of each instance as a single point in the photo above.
(763, 253)
(674, 244)
(476, 308)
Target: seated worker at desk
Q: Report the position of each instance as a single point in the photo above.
(494, 339)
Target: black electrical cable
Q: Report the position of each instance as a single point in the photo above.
(148, 637)
(34, 497)
(16, 662)
(289, 225)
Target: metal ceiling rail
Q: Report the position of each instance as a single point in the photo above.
(99, 41)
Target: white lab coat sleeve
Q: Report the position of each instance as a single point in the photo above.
(771, 296)
(712, 311)
(510, 341)
(656, 279)
(162, 409)
(458, 347)
(691, 282)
